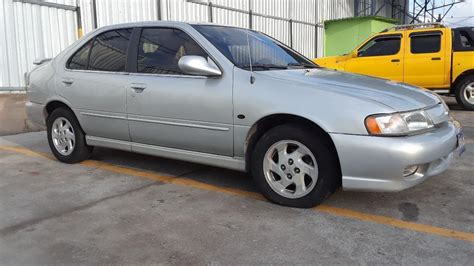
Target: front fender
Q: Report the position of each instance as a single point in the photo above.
(323, 104)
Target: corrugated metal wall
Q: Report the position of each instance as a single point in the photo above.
(29, 31)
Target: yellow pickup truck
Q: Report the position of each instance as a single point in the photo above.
(431, 56)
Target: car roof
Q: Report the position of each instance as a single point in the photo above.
(161, 23)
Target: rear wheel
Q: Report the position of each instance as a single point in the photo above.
(65, 137)
(465, 93)
(294, 166)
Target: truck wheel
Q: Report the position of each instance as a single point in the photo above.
(65, 137)
(465, 93)
(294, 167)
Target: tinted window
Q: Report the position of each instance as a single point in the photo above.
(265, 53)
(380, 46)
(466, 40)
(79, 59)
(109, 51)
(160, 49)
(425, 44)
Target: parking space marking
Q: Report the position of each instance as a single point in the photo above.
(183, 181)
(379, 219)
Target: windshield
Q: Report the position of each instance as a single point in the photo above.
(266, 53)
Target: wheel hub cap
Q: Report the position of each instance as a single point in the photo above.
(469, 93)
(290, 169)
(62, 134)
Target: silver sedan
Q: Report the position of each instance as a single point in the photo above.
(236, 98)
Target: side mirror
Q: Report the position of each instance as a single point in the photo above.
(198, 65)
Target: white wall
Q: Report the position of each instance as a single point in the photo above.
(29, 31)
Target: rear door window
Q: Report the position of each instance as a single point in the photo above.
(160, 49)
(424, 44)
(381, 46)
(466, 39)
(109, 51)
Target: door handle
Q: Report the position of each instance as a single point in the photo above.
(67, 81)
(436, 58)
(138, 87)
(395, 60)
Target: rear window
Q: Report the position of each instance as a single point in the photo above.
(466, 40)
(424, 44)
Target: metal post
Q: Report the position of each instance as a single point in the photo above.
(209, 11)
(290, 22)
(316, 18)
(356, 7)
(250, 15)
(94, 14)
(80, 31)
(158, 9)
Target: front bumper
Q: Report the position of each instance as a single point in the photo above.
(370, 163)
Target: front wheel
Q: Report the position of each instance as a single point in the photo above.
(295, 167)
(465, 93)
(65, 137)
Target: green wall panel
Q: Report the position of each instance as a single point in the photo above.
(343, 35)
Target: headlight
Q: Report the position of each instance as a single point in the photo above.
(398, 124)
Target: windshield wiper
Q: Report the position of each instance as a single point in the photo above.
(264, 66)
(302, 65)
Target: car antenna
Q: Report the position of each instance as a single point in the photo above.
(252, 78)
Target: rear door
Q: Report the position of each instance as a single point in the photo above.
(94, 81)
(381, 56)
(171, 109)
(425, 61)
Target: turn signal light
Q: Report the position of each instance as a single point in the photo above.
(373, 126)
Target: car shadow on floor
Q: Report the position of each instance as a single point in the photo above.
(168, 167)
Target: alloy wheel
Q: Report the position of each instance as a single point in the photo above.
(469, 93)
(62, 134)
(290, 169)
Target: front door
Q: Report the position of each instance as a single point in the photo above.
(168, 108)
(382, 56)
(425, 61)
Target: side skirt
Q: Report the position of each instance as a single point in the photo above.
(235, 163)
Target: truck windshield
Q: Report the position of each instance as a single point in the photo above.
(265, 53)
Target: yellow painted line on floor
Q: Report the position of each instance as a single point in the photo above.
(183, 181)
(379, 219)
(28, 152)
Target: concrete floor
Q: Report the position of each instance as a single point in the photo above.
(127, 208)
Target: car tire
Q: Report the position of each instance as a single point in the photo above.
(464, 93)
(66, 138)
(294, 183)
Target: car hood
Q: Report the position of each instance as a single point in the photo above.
(399, 96)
